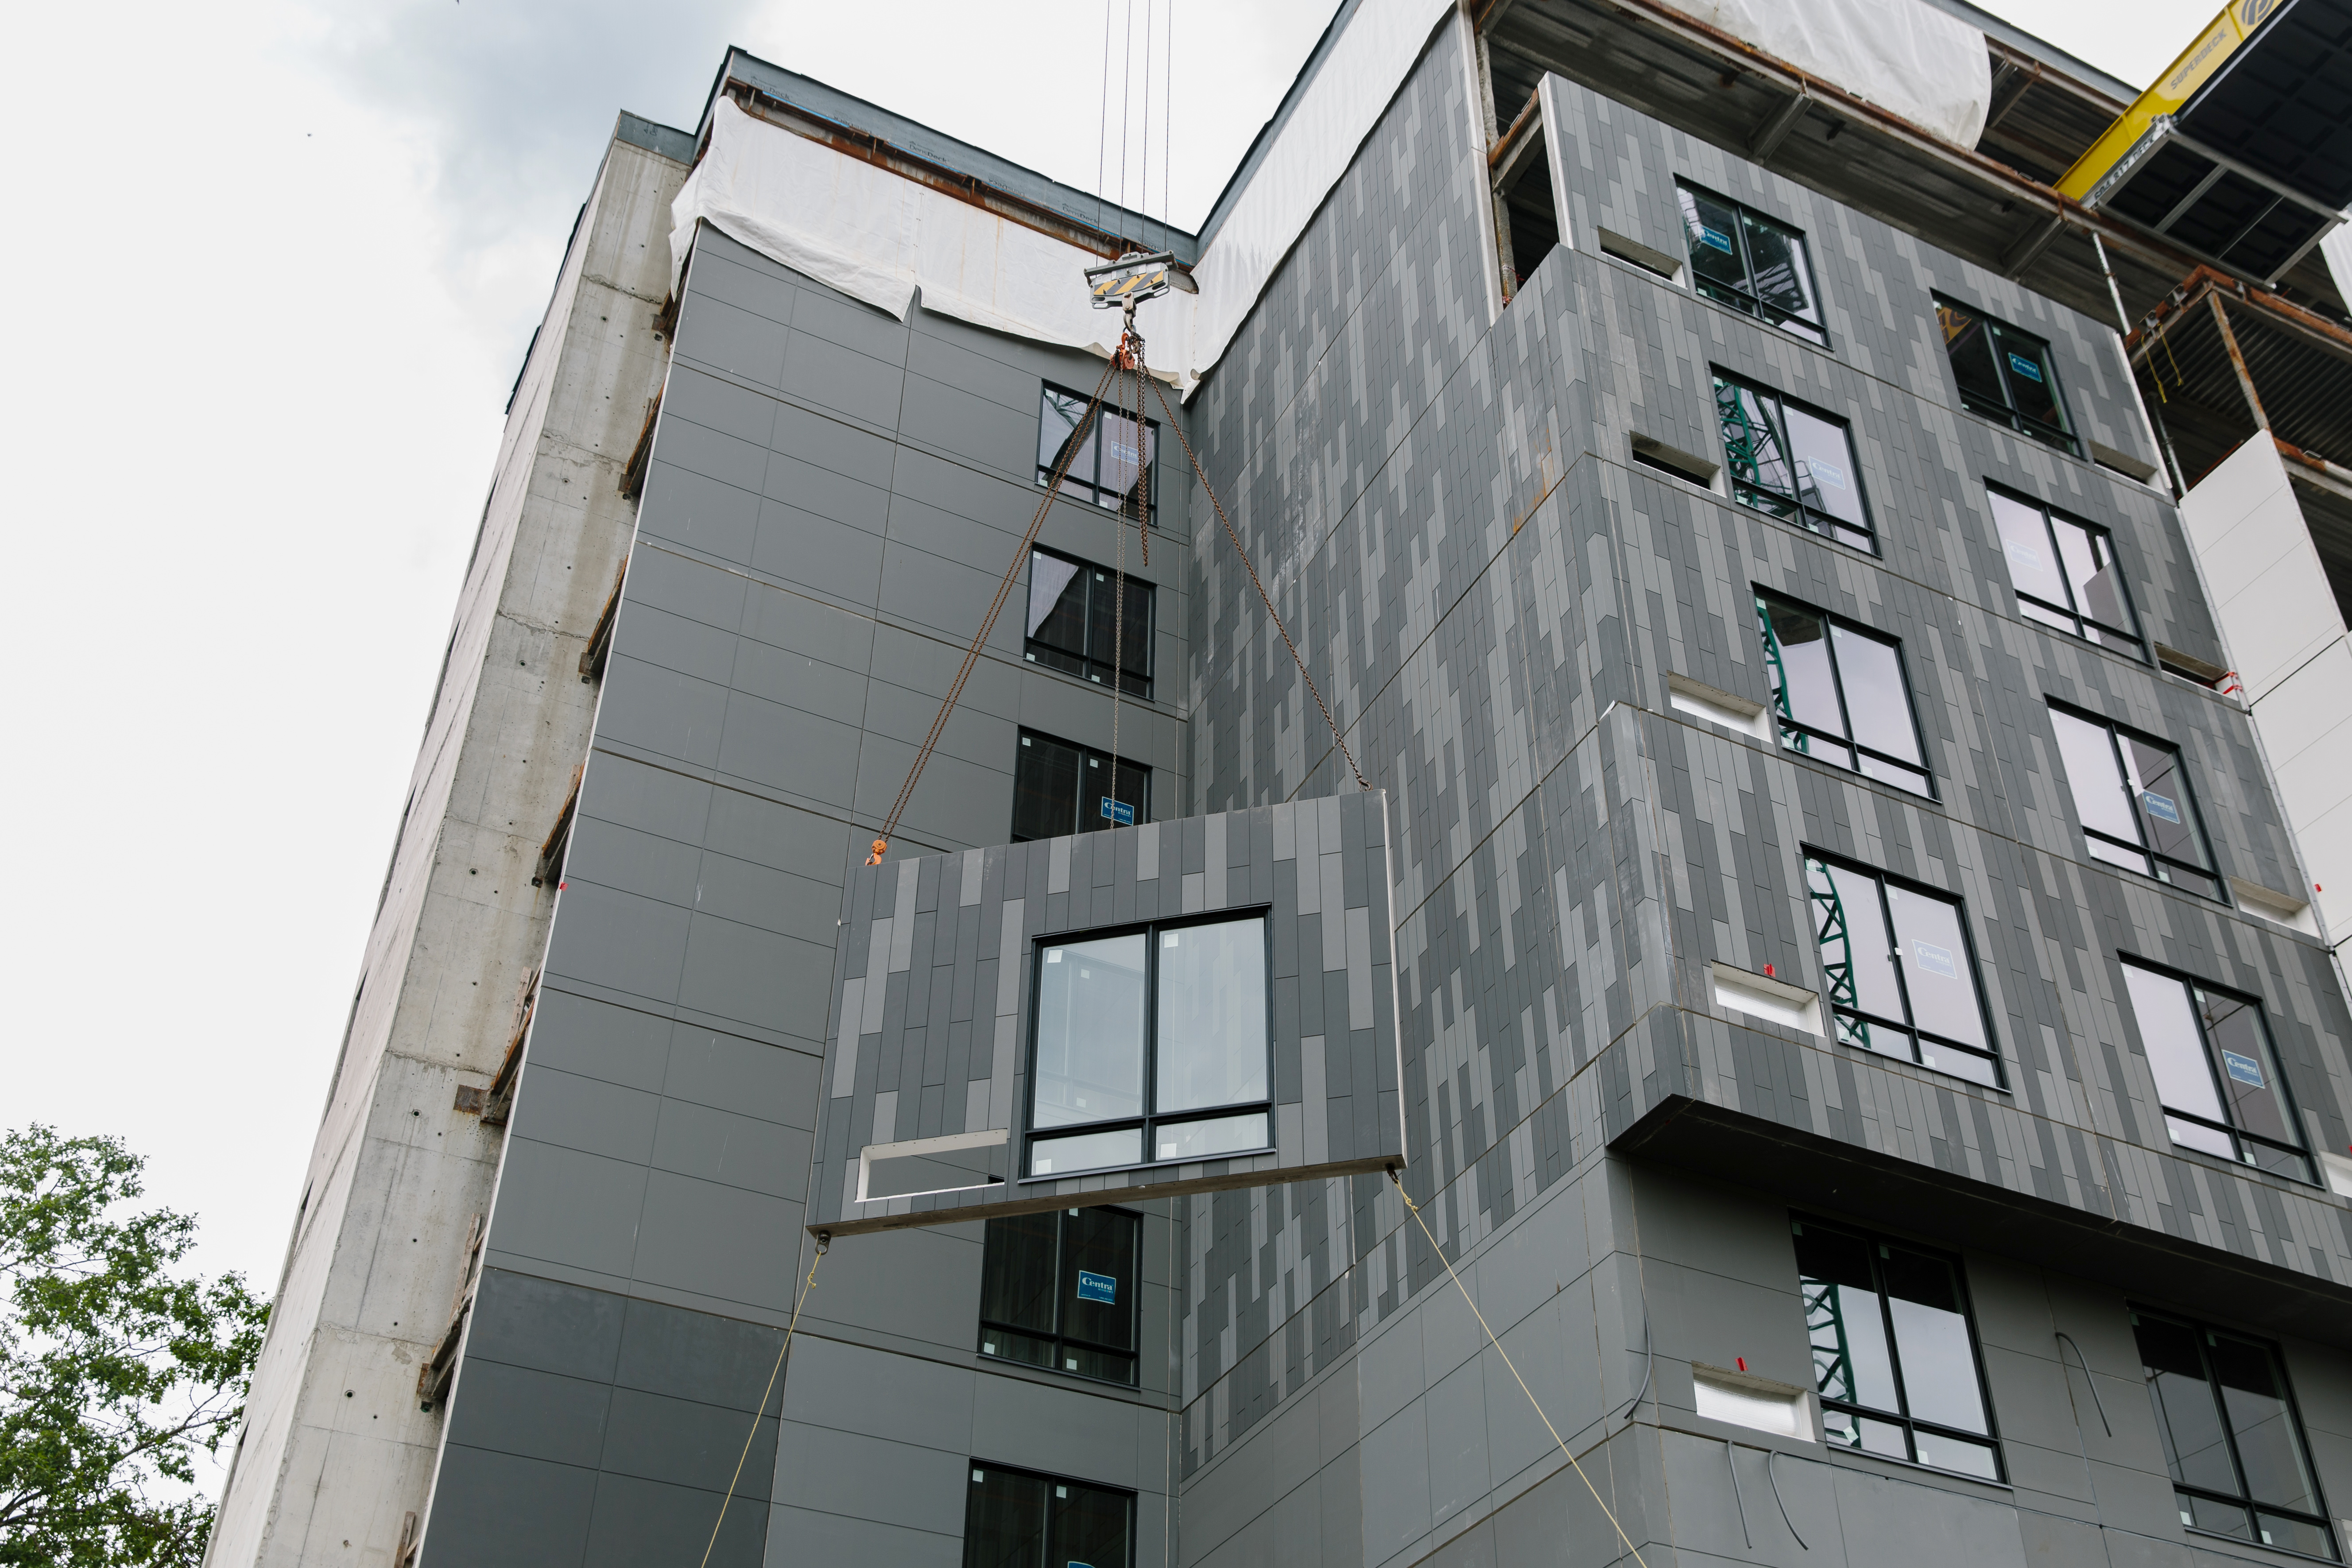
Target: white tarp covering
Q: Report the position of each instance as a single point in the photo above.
(1905, 57)
(878, 236)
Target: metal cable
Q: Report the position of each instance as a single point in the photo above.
(773, 1373)
(1731, 1462)
(1770, 1455)
(2096, 1404)
(1210, 490)
(988, 622)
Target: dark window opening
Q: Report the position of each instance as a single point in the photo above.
(1528, 218)
(2232, 1437)
(1075, 623)
(1793, 462)
(2135, 801)
(1016, 1518)
(1901, 970)
(1894, 1350)
(2216, 1074)
(1841, 695)
(1150, 1046)
(1059, 1290)
(2066, 573)
(2006, 374)
(1754, 264)
(1104, 468)
(1059, 788)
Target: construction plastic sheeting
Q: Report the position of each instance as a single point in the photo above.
(878, 236)
(1905, 57)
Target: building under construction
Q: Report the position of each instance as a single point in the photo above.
(1698, 654)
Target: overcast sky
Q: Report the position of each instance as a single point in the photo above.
(275, 266)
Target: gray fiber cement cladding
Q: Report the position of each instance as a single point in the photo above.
(1493, 597)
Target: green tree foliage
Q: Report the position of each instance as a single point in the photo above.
(113, 1373)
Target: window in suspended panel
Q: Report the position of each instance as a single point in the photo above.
(1059, 1290)
(1901, 970)
(1108, 459)
(1894, 1350)
(1018, 1519)
(2134, 802)
(2065, 573)
(1060, 788)
(2005, 374)
(1152, 1045)
(1755, 264)
(1839, 694)
(1794, 462)
(1075, 623)
(2232, 1437)
(2216, 1074)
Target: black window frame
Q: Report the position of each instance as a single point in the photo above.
(1842, 1012)
(1746, 301)
(1149, 1122)
(1088, 758)
(1794, 731)
(1088, 489)
(2193, 819)
(1877, 1243)
(1061, 1339)
(2008, 411)
(1048, 1548)
(2101, 537)
(1810, 518)
(1092, 670)
(2289, 1114)
(2205, 1334)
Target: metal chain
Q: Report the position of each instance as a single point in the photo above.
(1267, 599)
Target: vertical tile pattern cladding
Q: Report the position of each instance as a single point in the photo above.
(1492, 596)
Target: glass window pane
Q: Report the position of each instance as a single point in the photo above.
(2163, 791)
(1713, 230)
(2092, 570)
(1134, 789)
(1958, 1453)
(1851, 1431)
(1213, 1017)
(1752, 446)
(1090, 1528)
(2093, 778)
(2187, 1417)
(1057, 430)
(2206, 1140)
(1045, 788)
(1827, 477)
(1851, 1359)
(2114, 855)
(1853, 938)
(1004, 1519)
(2033, 388)
(2176, 1055)
(1135, 633)
(1016, 1282)
(2295, 1535)
(1098, 1277)
(1781, 281)
(1121, 438)
(1931, 1342)
(1090, 1032)
(2025, 541)
(1875, 698)
(1935, 962)
(1086, 1152)
(1970, 343)
(2221, 1517)
(1212, 1139)
(1031, 1349)
(1057, 602)
(1960, 1063)
(2269, 1448)
(1797, 649)
(2249, 1071)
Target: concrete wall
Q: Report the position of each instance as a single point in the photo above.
(334, 1448)
(1495, 598)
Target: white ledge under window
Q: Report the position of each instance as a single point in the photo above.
(1718, 706)
(1763, 996)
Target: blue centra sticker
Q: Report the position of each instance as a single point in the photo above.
(2025, 367)
(1097, 1288)
(2245, 1069)
(1118, 811)
(2158, 806)
(1825, 473)
(1936, 960)
(1715, 239)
